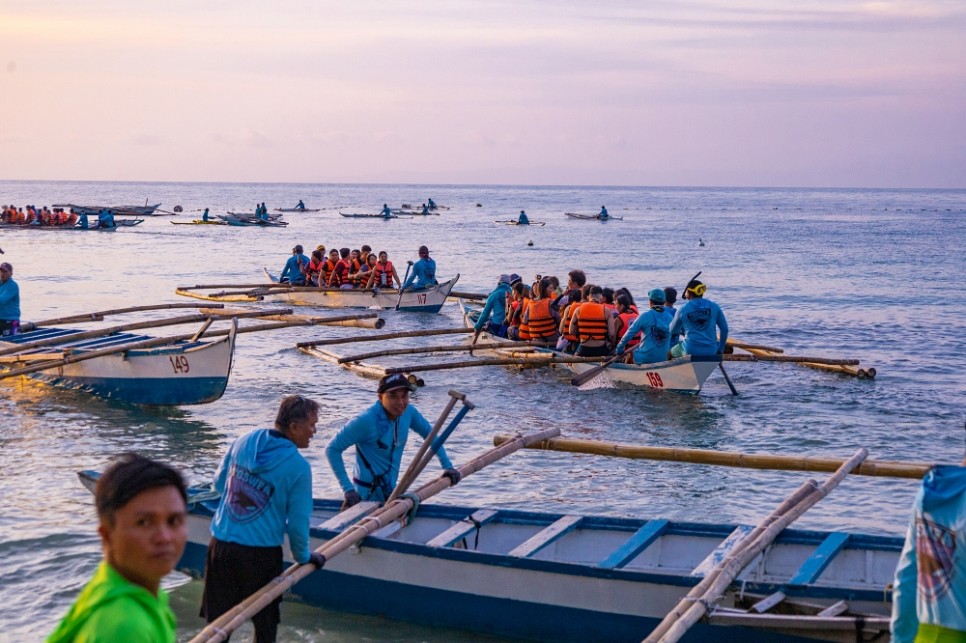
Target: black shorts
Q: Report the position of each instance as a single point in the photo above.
(233, 573)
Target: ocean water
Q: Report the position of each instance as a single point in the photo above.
(852, 273)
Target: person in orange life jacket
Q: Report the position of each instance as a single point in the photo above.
(568, 342)
(314, 268)
(625, 317)
(514, 311)
(539, 317)
(354, 266)
(593, 325)
(340, 274)
(384, 273)
(328, 267)
(654, 324)
(294, 270)
(555, 290)
(361, 277)
(379, 436)
(670, 297)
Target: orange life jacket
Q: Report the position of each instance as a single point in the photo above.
(592, 321)
(626, 319)
(568, 316)
(525, 326)
(327, 267)
(541, 322)
(340, 276)
(383, 275)
(354, 268)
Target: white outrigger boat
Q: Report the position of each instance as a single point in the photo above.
(556, 577)
(684, 374)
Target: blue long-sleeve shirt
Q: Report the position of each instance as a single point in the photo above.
(266, 488)
(292, 272)
(697, 320)
(379, 443)
(495, 307)
(655, 323)
(423, 274)
(9, 300)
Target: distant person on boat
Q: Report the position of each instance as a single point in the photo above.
(9, 301)
(379, 436)
(300, 206)
(105, 219)
(204, 216)
(83, 221)
(295, 268)
(424, 272)
(142, 524)
(655, 325)
(697, 321)
(492, 318)
(523, 219)
(593, 325)
(603, 216)
(266, 494)
(262, 213)
(432, 204)
(386, 212)
(425, 209)
(929, 599)
(383, 274)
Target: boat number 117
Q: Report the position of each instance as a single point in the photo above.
(179, 363)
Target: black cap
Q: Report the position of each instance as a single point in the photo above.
(394, 381)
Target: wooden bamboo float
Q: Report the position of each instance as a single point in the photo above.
(878, 468)
(263, 284)
(101, 314)
(689, 611)
(845, 369)
(358, 320)
(453, 348)
(746, 346)
(104, 332)
(819, 361)
(376, 338)
(538, 359)
(223, 626)
(366, 370)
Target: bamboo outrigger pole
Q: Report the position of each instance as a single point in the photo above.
(101, 314)
(376, 338)
(880, 468)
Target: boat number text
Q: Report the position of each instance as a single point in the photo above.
(655, 380)
(421, 299)
(179, 363)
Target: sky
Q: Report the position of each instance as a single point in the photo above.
(810, 93)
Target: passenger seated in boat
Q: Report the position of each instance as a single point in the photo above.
(432, 204)
(654, 324)
(492, 318)
(593, 325)
(84, 223)
(364, 253)
(386, 212)
(539, 318)
(424, 272)
(383, 274)
(670, 298)
(340, 274)
(521, 295)
(360, 278)
(626, 315)
(697, 320)
(425, 209)
(523, 219)
(314, 268)
(355, 265)
(603, 216)
(295, 267)
(328, 267)
(567, 341)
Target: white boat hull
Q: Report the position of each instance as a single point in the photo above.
(429, 300)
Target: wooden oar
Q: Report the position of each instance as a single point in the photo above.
(101, 314)
(877, 468)
(223, 626)
(453, 348)
(689, 611)
(586, 376)
(375, 338)
(538, 359)
(721, 367)
(401, 288)
(104, 332)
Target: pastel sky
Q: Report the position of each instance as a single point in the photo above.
(746, 93)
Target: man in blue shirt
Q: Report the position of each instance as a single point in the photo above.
(654, 323)
(424, 272)
(294, 271)
(492, 318)
(379, 436)
(386, 212)
(697, 321)
(523, 219)
(9, 301)
(603, 216)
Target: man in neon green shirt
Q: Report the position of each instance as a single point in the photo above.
(141, 507)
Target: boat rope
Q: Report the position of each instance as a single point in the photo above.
(477, 525)
(411, 514)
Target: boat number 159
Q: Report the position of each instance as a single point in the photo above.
(655, 380)
(179, 363)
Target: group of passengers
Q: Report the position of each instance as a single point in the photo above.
(593, 321)
(57, 217)
(346, 268)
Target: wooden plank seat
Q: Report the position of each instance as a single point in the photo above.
(538, 541)
(350, 516)
(463, 528)
(722, 550)
(633, 546)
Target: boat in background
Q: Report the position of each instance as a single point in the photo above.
(364, 215)
(569, 577)
(575, 215)
(298, 209)
(118, 210)
(238, 220)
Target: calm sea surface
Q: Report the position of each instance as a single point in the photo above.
(875, 275)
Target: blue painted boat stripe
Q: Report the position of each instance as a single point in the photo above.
(633, 546)
(815, 564)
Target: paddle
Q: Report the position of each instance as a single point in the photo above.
(586, 376)
(401, 288)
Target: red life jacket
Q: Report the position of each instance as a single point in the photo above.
(525, 326)
(541, 323)
(383, 275)
(340, 274)
(354, 268)
(327, 267)
(626, 319)
(568, 316)
(592, 321)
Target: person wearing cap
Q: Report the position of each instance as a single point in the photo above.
(424, 272)
(266, 494)
(295, 268)
(523, 219)
(379, 436)
(9, 301)
(655, 325)
(697, 321)
(492, 318)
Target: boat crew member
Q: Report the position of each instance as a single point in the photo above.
(655, 325)
(603, 215)
(300, 206)
(9, 301)
(266, 487)
(379, 436)
(929, 600)
(424, 272)
(593, 325)
(204, 216)
(142, 524)
(697, 320)
(432, 204)
(492, 318)
(670, 298)
(523, 219)
(83, 221)
(295, 268)
(383, 274)
(425, 209)
(386, 212)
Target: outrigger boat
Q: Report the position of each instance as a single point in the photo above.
(683, 375)
(184, 372)
(129, 210)
(237, 220)
(298, 209)
(365, 215)
(515, 222)
(576, 215)
(571, 577)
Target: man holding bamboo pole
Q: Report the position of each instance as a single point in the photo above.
(379, 436)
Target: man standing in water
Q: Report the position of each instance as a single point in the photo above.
(141, 508)
(9, 301)
(379, 436)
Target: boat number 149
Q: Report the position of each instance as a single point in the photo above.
(179, 363)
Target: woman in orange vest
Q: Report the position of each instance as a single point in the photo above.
(328, 266)
(515, 312)
(626, 317)
(383, 274)
(593, 325)
(541, 320)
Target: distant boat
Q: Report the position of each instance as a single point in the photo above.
(576, 215)
(236, 220)
(515, 222)
(122, 210)
(298, 209)
(364, 215)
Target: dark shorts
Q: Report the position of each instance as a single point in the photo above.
(593, 351)
(233, 573)
(9, 326)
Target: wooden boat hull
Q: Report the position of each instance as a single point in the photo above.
(298, 209)
(551, 577)
(360, 215)
(430, 300)
(199, 222)
(511, 222)
(118, 210)
(592, 217)
(181, 374)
